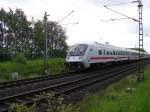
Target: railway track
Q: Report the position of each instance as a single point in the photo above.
(66, 86)
(9, 84)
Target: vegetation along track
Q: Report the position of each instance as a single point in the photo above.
(10, 84)
(63, 86)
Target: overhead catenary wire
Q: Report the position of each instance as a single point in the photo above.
(140, 75)
(65, 16)
(121, 13)
(121, 3)
(113, 19)
(117, 4)
(70, 23)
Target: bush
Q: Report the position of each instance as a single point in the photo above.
(30, 68)
(54, 104)
(20, 58)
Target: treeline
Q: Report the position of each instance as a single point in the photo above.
(17, 34)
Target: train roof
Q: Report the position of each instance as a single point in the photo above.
(109, 46)
(102, 45)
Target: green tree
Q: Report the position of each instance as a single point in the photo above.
(22, 31)
(3, 32)
(17, 34)
(15, 31)
(39, 37)
(56, 38)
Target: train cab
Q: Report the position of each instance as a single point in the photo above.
(76, 56)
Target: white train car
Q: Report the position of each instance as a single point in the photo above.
(83, 55)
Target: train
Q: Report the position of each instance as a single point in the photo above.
(85, 55)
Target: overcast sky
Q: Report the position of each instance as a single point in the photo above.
(91, 15)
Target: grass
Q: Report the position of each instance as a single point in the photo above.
(31, 68)
(125, 96)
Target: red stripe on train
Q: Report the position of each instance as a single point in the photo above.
(95, 58)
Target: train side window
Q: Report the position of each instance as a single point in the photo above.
(100, 52)
(107, 52)
(113, 52)
(110, 53)
(104, 52)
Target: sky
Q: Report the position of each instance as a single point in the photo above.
(92, 17)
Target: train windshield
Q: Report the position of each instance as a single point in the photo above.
(77, 50)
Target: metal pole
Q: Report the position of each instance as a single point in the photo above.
(46, 48)
(45, 51)
(140, 62)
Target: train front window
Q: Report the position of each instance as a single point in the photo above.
(78, 50)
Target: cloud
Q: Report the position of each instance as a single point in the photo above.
(89, 13)
(146, 3)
